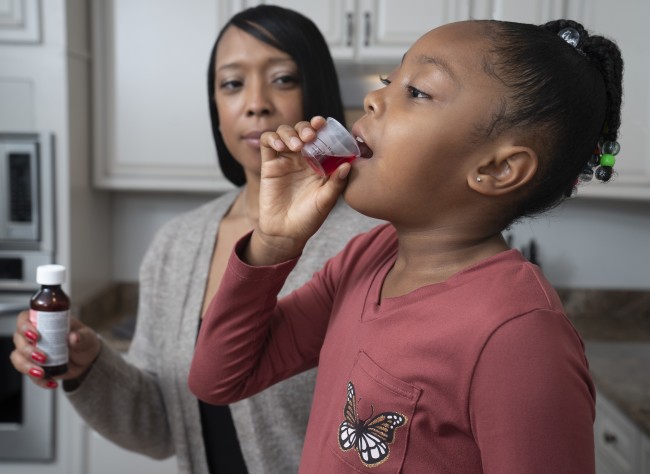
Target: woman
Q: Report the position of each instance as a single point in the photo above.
(269, 66)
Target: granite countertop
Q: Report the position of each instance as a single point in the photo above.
(614, 324)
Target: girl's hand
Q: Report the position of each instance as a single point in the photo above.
(294, 200)
(83, 345)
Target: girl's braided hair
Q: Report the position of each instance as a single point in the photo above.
(568, 96)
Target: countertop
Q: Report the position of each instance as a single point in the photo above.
(614, 324)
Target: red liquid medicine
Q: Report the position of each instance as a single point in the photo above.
(328, 163)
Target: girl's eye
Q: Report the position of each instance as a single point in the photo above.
(416, 93)
(384, 80)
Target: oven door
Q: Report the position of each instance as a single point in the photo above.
(26, 410)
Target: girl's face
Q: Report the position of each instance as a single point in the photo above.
(426, 129)
(257, 88)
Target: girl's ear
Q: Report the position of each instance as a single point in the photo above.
(511, 168)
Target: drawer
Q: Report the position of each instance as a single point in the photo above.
(617, 440)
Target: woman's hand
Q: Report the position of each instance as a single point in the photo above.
(294, 200)
(83, 345)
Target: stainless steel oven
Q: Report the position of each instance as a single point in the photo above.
(26, 241)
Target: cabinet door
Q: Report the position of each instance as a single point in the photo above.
(334, 18)
(20, 21)
(645, 456)
(387, 28)
(617, 441)
(151, 120)
(536, 12)
(626, 21)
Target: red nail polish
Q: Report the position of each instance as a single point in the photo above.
(51, 384)
(38, 357)
(36, 372)
(31, 335)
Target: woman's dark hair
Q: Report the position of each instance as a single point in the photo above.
(300, 38)
(569, 98)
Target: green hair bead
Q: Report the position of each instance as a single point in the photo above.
(607, 159)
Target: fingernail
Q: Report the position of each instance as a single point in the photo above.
(295, 142)
(31, 335)
(278, 144)
(36, 372)
(51, 384)
(38, 357)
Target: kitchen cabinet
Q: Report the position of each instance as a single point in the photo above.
(151, 120)
(645, 455)
(618, 442)
(626, 22)
(151, 124)
(379, 31)
(20, 21)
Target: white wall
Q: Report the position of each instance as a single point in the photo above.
(586, 243)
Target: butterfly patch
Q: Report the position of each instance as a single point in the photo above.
(370, 437)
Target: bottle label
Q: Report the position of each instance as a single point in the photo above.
(53, 327)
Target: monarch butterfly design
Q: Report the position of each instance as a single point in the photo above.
(370, 437)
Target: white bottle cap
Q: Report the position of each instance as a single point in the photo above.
(50, 274)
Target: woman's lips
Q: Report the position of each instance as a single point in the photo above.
(253, 138)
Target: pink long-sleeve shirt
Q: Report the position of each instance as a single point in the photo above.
(480, 374)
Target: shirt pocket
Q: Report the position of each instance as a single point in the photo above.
(376, 413)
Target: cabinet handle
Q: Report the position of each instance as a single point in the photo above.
(366, 40)
(609, 438)
(350, 29)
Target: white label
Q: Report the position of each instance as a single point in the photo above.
(53, 328)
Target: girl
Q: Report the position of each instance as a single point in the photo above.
(439, 349)
(262, 65)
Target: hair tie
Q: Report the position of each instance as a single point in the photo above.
(571, 36)
(602, 161)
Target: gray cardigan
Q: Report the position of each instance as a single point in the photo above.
(142, 402)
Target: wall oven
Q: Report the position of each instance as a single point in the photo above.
(26, 241)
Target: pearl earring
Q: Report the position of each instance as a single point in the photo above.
(478, 179)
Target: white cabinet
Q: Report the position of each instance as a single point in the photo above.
(151, 123)
(621, 448)
(377, 31)
(626, 22)
(151, 120)
(645, 455)
(20, 21)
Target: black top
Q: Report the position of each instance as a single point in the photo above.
(222, 449)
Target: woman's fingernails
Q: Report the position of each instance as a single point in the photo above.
(295, 142)
(31, 335)
(38, 357)
(36, 372)
(51, 384)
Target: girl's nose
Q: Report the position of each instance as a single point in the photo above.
(371, 101)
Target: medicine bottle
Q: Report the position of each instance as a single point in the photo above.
(50, 314)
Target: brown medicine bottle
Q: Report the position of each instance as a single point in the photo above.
(50, 313)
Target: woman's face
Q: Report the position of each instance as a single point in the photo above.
(257, 88)
(425, 129)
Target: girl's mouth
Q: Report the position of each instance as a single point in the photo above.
(366, 151)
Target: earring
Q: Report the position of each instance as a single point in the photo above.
(478, 179)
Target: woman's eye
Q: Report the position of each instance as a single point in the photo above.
(416, 93)
(286, 80)
(384, 80)
(230, 85)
